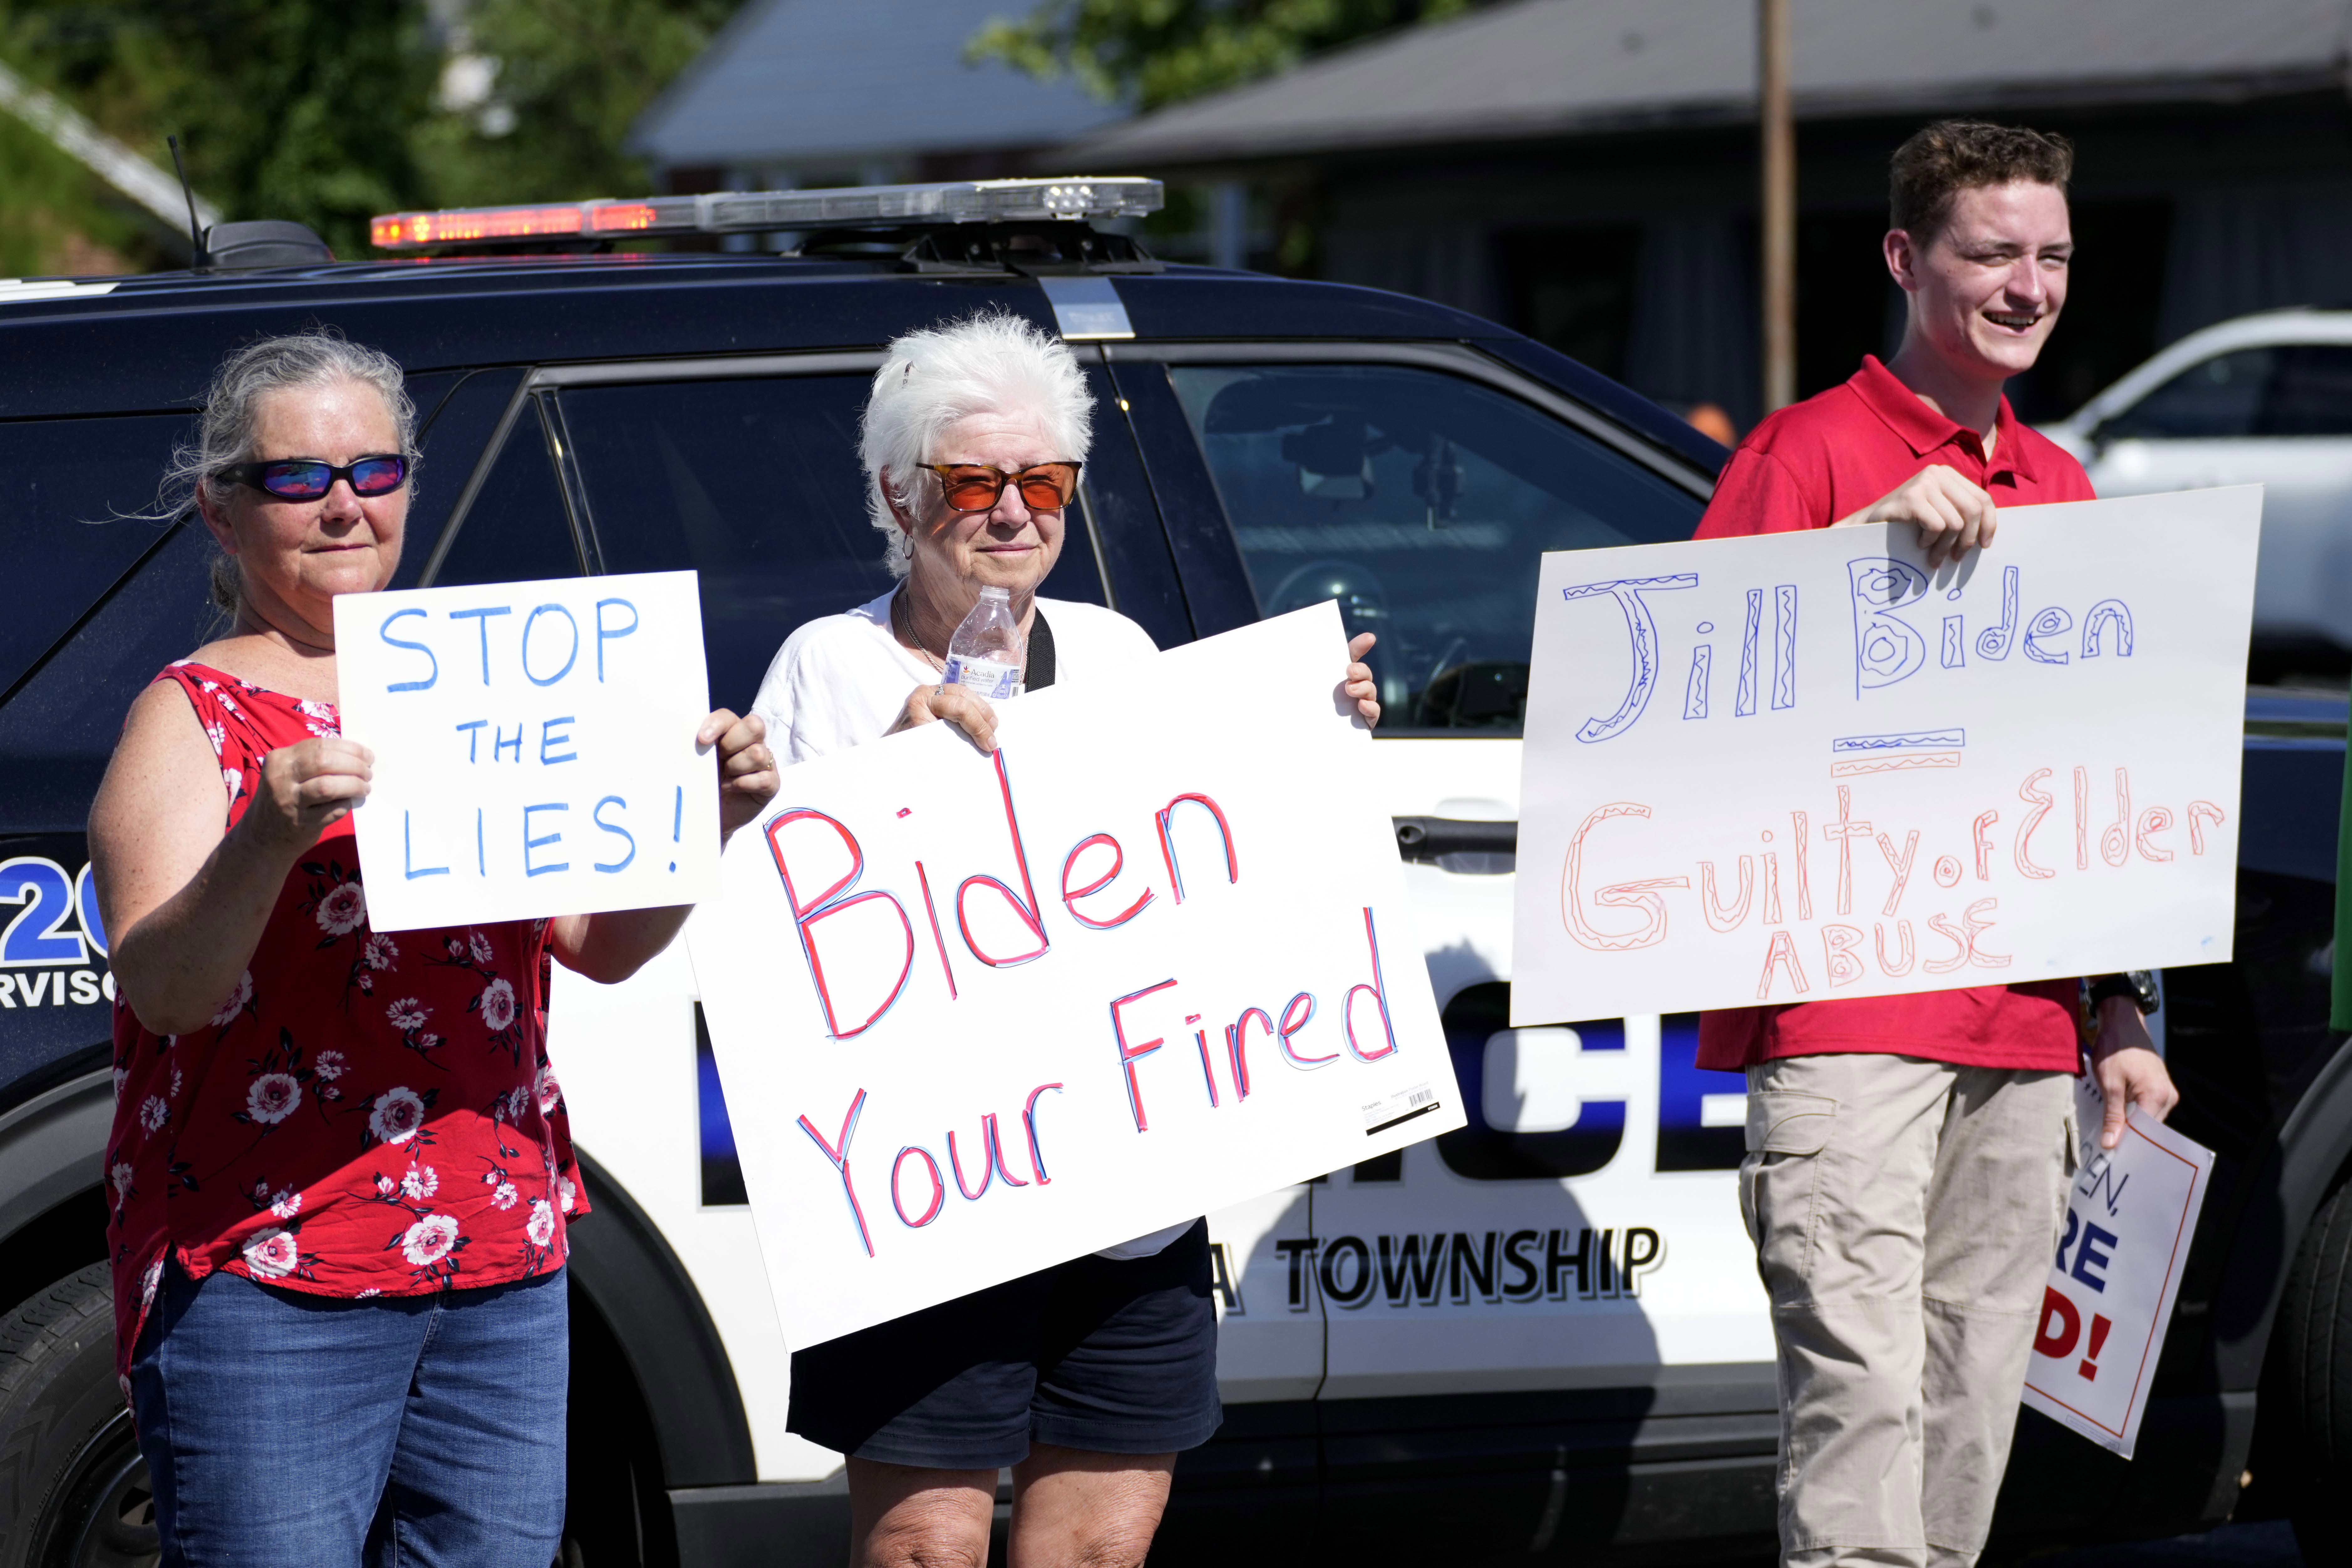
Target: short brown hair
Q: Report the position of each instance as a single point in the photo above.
(1955, 155)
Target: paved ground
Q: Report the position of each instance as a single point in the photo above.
(2270, 1544)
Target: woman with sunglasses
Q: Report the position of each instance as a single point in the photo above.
(340, 1173)
(1089, 1377)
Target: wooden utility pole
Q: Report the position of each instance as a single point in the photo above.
(1780, 203)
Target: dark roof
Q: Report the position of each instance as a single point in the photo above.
(1551, 68)
(843, 81)
(153, 341)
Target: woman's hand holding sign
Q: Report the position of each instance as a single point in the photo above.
(971, 712)
(613, 945)
(302, 790)
(747, 769)
(1357, 685)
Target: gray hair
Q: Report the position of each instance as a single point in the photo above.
(991, 362)
(224, 433)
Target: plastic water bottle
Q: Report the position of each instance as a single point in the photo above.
(984, 656)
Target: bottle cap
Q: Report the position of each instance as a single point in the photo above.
(996, 594)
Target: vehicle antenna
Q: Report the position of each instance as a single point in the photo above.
(195, 232)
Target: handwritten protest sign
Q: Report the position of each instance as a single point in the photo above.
(2130, 1217)
(534, 748)
(1802, 766)
(977, 1014)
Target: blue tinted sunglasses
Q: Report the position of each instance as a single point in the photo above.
(307, 478)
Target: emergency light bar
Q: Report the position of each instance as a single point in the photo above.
(733, 212)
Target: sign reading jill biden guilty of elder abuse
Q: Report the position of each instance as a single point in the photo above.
(1150, 958)
(534, 748)
(1799, 766)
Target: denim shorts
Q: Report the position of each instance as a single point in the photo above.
(287, 1430)
(1113, 1355)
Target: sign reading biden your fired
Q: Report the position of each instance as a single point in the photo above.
(987, 1013)
(534, 748)
(1803, 766)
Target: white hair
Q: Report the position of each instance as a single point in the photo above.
(991, 362)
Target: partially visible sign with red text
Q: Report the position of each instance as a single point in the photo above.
(2130, 1214)
(1801, 766)
(979, 1014)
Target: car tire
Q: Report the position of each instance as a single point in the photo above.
(2307, 1412)
(73, 1490)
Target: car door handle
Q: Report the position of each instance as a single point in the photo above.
(1425, 839)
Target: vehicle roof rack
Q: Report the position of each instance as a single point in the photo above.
(918, 220)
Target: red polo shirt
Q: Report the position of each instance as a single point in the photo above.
(1806, 467)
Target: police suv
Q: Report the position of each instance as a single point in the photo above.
(1539, 1335)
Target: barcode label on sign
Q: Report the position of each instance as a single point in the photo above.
(1380, 1115)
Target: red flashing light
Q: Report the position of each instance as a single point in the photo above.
(405, 229)
(620, 216)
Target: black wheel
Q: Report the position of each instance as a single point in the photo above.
(73, 1490)
(2306, 1407)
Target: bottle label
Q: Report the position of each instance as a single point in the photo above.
(994, 681)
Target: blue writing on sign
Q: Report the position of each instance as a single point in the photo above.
(597, 815)
(1642, 630)
(408, 857)
(481, 619)
(530, 844)
(385, 631)
(2089, 1260)
(605, 634)
(569, 659)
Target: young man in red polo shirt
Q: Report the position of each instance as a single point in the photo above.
(1906, 1163)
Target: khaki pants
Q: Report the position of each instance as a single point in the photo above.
(1904, 1214)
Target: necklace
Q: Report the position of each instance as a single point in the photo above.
(902, 628)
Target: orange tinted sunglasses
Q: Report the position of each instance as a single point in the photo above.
(972, 487)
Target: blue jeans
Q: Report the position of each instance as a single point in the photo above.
(318, 1432)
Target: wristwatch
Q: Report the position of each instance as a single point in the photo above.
(2137, 984)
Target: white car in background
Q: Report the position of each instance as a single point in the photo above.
(2265, 399)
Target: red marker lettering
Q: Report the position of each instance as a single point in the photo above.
(833, 901)
(1168, 849)
(1070, 896)
(1130, 1054)
(839, 1154)
(1026, 907)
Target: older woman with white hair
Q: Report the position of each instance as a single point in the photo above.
(1089, 1377)
(340, 1172)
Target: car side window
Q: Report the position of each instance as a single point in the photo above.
(2310, 392)
(1422, 501)
(516, 529)
(2213, 399)
(755, 484)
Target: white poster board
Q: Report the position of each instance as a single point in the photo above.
(1800, 766)
(977, 1014)
(2130, 1214)
(534, 748)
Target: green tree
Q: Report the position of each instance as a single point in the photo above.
(1155, 52)
(56, 216)
(289, 108)
(330, 112)
(565, 79)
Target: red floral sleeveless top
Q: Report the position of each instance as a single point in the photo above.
(367, 1114)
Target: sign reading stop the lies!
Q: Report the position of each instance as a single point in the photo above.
(979, 1014)
(534, 748)
(2130, 1217)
